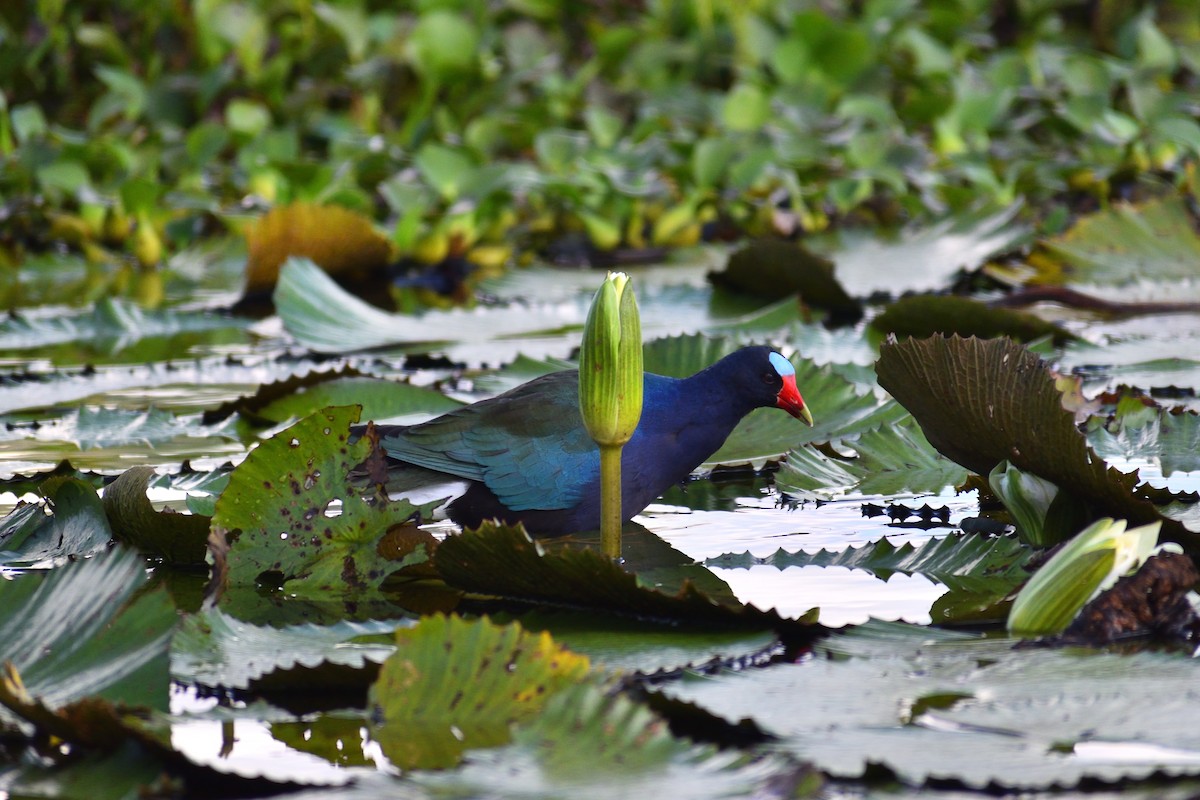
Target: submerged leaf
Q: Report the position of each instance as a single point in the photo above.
(454, 684)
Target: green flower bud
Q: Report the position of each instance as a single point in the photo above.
(1082, 569)
(610, 364)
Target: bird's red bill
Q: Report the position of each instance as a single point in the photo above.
(789, 400)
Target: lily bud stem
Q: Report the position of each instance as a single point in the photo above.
(610, 500)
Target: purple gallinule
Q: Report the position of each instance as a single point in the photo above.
(526, 457)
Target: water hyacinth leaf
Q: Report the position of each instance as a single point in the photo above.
(933, 704)
(504, 561)
(923, 259)
(1088, 564)
(279, 509)
(341, 241)
(923, 315)
(981, 402)
(893, 458)
(216, 650)
(178, 539)
(589, 743)
(74, 632)
(1155, 240)
(453, 684)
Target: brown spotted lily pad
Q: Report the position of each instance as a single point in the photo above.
(293, 516)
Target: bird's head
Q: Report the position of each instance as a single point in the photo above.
(781, 373)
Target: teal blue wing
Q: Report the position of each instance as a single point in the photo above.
(528, 445)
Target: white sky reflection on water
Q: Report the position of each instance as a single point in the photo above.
(845, 596)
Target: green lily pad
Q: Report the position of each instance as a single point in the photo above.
(216, 650)
(277, 511)
(81, 632)
(454, 684)
(1155, 240)
(890, 459)
(591, 744)
(922, 258)
(956, 561)
(775, 269)
(504, 561)
(77, 528)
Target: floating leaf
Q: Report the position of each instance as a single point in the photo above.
(504, 561)
(981, 402)
(931, 704)
(591, 744)
(775, 269)
(1155, 240)
(216, 650)
(176, 538)
(454, 684)
(279, 508)
(77, 632)
(923, 315)
(924, 259)
(30, 538)
(893, 458)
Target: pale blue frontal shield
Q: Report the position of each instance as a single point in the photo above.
(781, 365)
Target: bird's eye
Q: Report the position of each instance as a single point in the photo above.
(770, 378)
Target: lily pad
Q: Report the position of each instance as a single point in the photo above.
(278, 512)
(980, 402)
(774, 269)
(1125, 243)
(77, 528)
(80, 632)
(923, 259)
(504, 561)
(932, 705)
(216, 650)
(591, 744)
(923, 315)
(177, 538)
(890, 459)
(454, 684)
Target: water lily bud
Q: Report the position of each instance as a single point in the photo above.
(1087, 565)
(610, 364)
